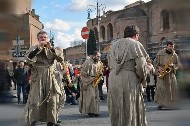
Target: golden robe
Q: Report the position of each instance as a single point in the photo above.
(44, 88)
(89, 95)
(127, 62)
(59, 72)
(166, 87)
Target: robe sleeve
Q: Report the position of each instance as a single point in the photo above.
(50, 53)
(33, 53)
(58, 67)
(156, 63)
(140, 68)
(139, 54)
(176, 63)
(31, 56)
(59, 56)
(137, 50)
(54, 53)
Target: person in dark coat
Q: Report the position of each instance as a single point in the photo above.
(20, 76)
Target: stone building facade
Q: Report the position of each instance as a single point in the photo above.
(75, 55)
(20, 21)
(169, 21)
(158, 20)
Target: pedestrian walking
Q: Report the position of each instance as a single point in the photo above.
(20, 75)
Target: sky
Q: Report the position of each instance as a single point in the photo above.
(65, 18)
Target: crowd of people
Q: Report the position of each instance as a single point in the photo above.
(49, 82)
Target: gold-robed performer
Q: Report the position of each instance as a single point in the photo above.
(89, 94)
(166, 64)
(127, 62)
(61, 71)
(42, 104)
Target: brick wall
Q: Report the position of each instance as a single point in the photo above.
(24, 26)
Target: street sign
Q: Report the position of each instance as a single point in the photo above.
(21, 42)
(17, 49)
(20, 54)
(85, 32)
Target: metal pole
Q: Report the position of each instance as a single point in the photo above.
(97, 8)
(86, 48)
(50, 35)
(98, 38)
(98, 26)
(17, 46)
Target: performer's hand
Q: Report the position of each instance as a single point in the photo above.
(171, 64)
(48, 45)
(41, 44)
(94, 79)
(160, 69)
(45, 44)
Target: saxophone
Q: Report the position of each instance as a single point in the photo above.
(167, 69)
(98, 76)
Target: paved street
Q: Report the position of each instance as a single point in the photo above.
(12, 115)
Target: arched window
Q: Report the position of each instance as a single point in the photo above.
(110, 31)
(102, 32)
(165, 19)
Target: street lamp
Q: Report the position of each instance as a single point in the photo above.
(17, 49)
(51, 38)
(98, 9)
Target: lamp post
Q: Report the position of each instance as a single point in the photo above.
(51, 38)
(98, 9)
(17, 47)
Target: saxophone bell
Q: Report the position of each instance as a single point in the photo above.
(168, 70)
(98, 76)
